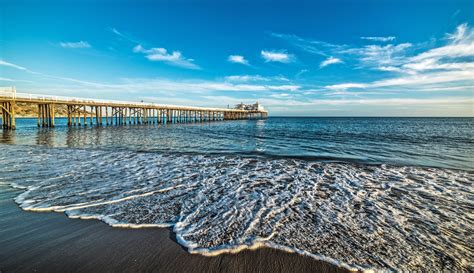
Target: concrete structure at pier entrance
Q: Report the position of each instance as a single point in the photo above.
(103, 112)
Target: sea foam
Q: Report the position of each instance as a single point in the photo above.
(355, 216)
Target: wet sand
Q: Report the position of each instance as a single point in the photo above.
(51, 242)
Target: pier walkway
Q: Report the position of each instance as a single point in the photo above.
(106, 112)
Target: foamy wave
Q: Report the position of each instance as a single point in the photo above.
(354, 216)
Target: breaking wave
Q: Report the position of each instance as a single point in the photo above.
(353, 215)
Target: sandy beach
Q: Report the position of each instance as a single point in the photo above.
(51, 242)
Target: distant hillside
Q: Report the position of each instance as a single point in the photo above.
(31, 110)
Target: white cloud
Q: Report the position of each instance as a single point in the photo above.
(281, 95)
(165, 85)
(430, 78)
(439, 106)
(124, 36)
(204, 93)
(389, 68)
(344, 86)
(374, 102)
(276, 56)
(458, 54)
(461, 46)
(449, 51)
(6, 79)
(309, 45)
(248, 78)
(329, 61)
(379, 39)
(237, 59)
(434, 64)
(372, 56)
(396, 101)
(462, 34)
(284, 87)
(396, 57)
(245, 78)
(13, 80)
(159, 54)
(448, 66)
(114, 30)
(4, 63)
(80, 44)
(301, 72)
(139, 49)
(413, 81)
(376, 56)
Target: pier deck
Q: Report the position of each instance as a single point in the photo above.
(105, 112)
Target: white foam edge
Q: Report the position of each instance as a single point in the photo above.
(192, 248)
(21, 201)
(114, 223)
(227, 249)
(14, 185)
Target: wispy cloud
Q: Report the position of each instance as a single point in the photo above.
(301, 72)
(255, 78)
(239, 59)
(6, 79)
(369, 56)
(123, 36)
(461, 46)
(163, 85)
(389, 68)
(4, 63)
(372, 56)
(26, 70)
(376, 56)
(201, 86)
(462, 34)
(308, 45)
(284, 87)
(379, 39)
(274, 96)
(171, 87)
(452, 63)
(445, 67)
(344, 86)
(462, 81)
(276, 56)
(397, 101)
(329, 61)
(160, 54)
(80, 44)
(413, 81)
(2, 79)
(114, 30)
(281, 95)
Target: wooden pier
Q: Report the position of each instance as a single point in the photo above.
(84, 112)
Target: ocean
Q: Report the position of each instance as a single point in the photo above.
(361, 193)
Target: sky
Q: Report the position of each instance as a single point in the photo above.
(297, 58)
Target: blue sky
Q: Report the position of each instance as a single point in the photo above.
(323, 58)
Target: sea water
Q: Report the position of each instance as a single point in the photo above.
(362, 193)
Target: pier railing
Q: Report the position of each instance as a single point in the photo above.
(10, 93)
(121, 112)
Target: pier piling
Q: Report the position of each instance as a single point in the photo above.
(121, 113)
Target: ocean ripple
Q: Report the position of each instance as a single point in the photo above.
(353, 215)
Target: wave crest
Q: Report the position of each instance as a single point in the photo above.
(357, 216)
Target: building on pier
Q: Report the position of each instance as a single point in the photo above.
(250, 107)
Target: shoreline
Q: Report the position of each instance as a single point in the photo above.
(52, 242)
